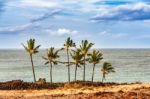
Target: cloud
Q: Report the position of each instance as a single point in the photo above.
(46, 15)
(40, 3)
(104, 2)
(2, 5)
(62, 32)
(19, 28)
(67, 5)
(127, 12)
(113, 35)
(55, 3)
(104, 33)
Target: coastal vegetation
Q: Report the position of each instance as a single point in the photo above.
(68, 44)
(85, 47)
(77, 60)
(106, 69)
(74, 90)
(77, 56)
(50, 58)
(78, 89)
(95, 57)
(31, 49)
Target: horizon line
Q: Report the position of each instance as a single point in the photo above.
(91, 48)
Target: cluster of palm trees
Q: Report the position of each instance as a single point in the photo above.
(79, 57)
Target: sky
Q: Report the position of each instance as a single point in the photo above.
(106, 23)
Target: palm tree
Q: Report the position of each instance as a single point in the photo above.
(68, 44)
(95, 58)
(106, 69)
(31, 49)
(50, 58)
(85, 47)
(77, 59)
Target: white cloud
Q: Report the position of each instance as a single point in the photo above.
(46, 15)
(104, 33)
(40, 3)
(113, 35)
(61, 32)
(25, 28)
(19, 28)
(71, 5)
(126, 12)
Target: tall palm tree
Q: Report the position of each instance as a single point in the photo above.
(85, 47)
(106, 69)
(50, 58)
(95, 57)
(31, 49)
(77, 59)
(68, 44)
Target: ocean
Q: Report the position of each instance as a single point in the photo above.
(131, 65)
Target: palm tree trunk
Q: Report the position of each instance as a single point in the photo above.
(84, 70)
(103, 77)
(50, 71)
(32, 67)
(68, 66)
(93, 72)
(76, 71)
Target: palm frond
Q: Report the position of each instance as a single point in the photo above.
(55, 62)
(95, 57)
(69, 43)
(35, 51)
(85, 46)
(25, 47)
(46, 62)
(77, 56)
(30, 47)
(107, 68)
(37, 47)
(52, 55)
(44, 58)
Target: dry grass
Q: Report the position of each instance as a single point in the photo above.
(21, 85)
(79, 89)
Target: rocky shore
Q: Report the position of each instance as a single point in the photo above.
(75, 90)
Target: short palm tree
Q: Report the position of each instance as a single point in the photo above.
(77, 59)
(95, 57)
(50, 58)
(85, 47)
(106, 69)
(68, 44)
(31, 49)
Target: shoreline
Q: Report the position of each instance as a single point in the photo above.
(79, 91)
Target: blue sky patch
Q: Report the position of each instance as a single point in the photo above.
(107, 23)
